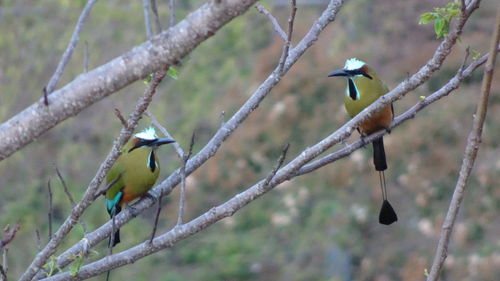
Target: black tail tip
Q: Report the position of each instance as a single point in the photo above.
(387, 214)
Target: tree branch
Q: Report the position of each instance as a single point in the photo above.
(172, 8)
(10, 233)
(237, 202)
(146, 7)
(154, 8)
(162, 50)
(473, 142)
(220, 136)
(90, 194)
(70, 197)
(274, 21)
(182, 196)
(70, 49)
(286, 48)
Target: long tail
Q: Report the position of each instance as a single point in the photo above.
(387, 214)
(114, 239)
(379, 155)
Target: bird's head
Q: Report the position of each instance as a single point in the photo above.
(354, 70)
(148, 139)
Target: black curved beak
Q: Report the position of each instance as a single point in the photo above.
(339, 72)
(162, 141)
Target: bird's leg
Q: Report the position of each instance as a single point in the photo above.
(150, 196)
(133, 210)
(362, 138)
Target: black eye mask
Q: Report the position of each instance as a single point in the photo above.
(358, 72)
(142, 142)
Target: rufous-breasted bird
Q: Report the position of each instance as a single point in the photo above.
(134, 172)
(363, 88)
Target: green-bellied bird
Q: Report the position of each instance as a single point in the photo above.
(134, 173)
(363, 88)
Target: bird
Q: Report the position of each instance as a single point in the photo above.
(133, 174)
(363, 88)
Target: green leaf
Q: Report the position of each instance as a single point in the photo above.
(425, 18)
(172, 72)
(475, 54)
(77, 264)
(148, 79)
(439, 26)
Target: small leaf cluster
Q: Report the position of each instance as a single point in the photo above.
(172, 72)
(51, 267)
(442, 18)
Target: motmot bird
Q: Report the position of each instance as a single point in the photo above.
(134, 172)
(363, 88)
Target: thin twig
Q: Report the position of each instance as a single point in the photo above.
(164, 131)
(286, 48)
(49, 188)
(70, 197)
(4, 267)
(147, 18)
(222, 118)
(273, 20)
(172, 6)
(464, 62)
(9, 234)
(182, 196)
(157, 219)
(45, 96)
(473, 142)
(154, 8)
(5, 262)
(281, 159)
(119, 115)
(3, 272)
(85, 56)
(71, 47)
(38, 240)
(65, 187)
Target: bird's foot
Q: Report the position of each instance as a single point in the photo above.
(150, 196)
(133, 210)
(344, 143)
(363, 140)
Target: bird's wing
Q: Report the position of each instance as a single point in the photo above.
(115, 176)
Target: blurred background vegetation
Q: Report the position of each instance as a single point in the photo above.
(322, 226)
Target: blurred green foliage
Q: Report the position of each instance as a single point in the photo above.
(322, 226)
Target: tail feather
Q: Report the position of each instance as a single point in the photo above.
(115, 240)
(387, 214)
(379, 155)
